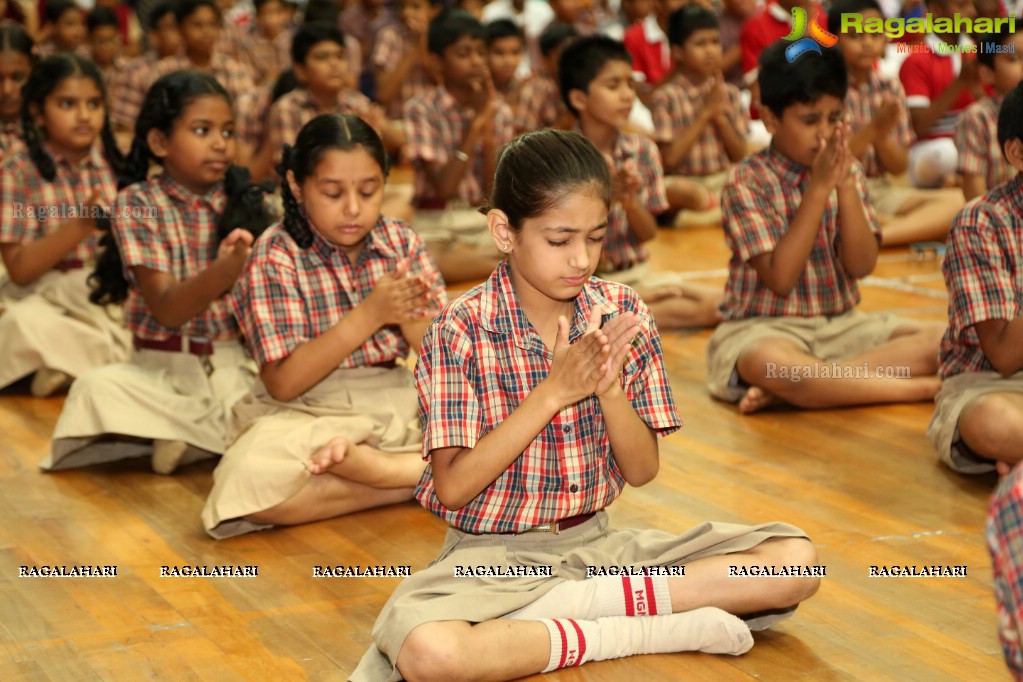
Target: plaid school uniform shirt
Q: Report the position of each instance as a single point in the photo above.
(32, 207)
(236, 77)
(479, 361)
(128, 89)
(983, 271)
(758, 203)
(12, 139)
(298, 107)
(862, 102)
(1005, 542)
(162, 226)
(537, 104)
(436, 124)
(976, 138)
(251, 111)
(392, 43)
(265, 57)
(622, 249)
(676, 106)
(290, 295)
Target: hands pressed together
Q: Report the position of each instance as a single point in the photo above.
(593, 364)
(401, 297)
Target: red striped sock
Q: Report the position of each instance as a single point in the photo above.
(572, 642)
(636, 595)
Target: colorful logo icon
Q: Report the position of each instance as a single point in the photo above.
(801, 44)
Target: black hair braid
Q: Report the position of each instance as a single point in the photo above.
(34, 144)
(246, 205)
(294, 222)
(107, 281)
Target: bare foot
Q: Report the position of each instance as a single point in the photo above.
(655, 295)
(329, 455)
(757, 399)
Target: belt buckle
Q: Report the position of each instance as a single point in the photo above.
(546, 528)
(204, 358)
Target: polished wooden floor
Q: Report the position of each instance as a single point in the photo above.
(863, 483)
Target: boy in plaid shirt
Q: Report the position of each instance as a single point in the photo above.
(454, 133)
(979, 411)
(265, 46)
(129, 85)
(981, 162)
(318, 53)
(399, 56)
(596, 81)
(506, 46)
(882, 135)
(199, 24)
(537, 103)
(700, 123)
(798, 219)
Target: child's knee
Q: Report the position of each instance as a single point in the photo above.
(431, 652)
(794, 553)
(990, 423)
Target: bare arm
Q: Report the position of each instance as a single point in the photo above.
(173, 302)
(28, 261)
(1002, 342)
(857, 245)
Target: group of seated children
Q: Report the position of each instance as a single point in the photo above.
(204, 327)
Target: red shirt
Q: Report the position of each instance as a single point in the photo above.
(925, 75)
(765, 27)
(651, 55)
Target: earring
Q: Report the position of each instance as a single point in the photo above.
(507, 246)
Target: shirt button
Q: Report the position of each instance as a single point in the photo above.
(567, 428)
(573, 488)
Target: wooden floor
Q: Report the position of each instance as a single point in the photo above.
(863, 483)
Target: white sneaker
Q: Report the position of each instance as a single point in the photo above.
(48, 381)
(167, 455)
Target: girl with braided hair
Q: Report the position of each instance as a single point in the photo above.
(333, 300)
(189, 367)
(54, 195)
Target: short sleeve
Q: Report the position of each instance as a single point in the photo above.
(449, 411)
(749, 215)
(271, 311)
(645, 379)
(977, 271)
(140, 240)
(424, 141)
(653, 177)
(915, 82)
(15, 224)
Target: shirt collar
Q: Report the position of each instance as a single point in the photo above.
(779, 13)
(652, 30)
(374, 243)
(501, 313)
(789, 169)
(214, 198)
(94, 159)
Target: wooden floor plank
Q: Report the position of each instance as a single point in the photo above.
(863, 483)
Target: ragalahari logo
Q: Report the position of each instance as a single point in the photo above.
(801, 44)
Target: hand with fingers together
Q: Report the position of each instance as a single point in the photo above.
(620, 331)
(577, 368)
(401, 297)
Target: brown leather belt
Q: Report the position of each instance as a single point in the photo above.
(69, 265)
(177, 344)
(430, 204)
(564, 524)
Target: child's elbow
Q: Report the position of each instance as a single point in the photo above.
(21, 277)
(451, 499)
(644, 476)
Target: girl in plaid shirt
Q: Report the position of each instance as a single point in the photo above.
(54, 194)
(189, 366)
(542, 392)
(334, 297)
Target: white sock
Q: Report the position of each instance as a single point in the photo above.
(603, 596)
(708, 629)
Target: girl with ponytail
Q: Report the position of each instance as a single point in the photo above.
(55, 194)
(333, 300)
(173, 398)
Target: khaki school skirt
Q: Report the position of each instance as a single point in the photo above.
(115, 412)
(435, 594)
(51, 324)
(266, 463)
